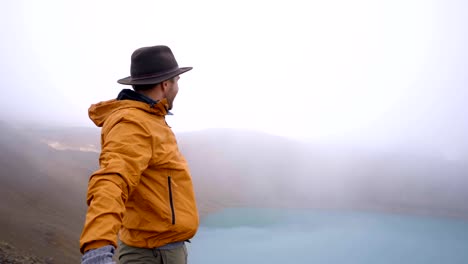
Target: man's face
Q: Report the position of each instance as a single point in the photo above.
(172, 90)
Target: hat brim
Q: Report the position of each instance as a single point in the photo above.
(153, 80)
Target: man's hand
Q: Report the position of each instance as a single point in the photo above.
(102, 255)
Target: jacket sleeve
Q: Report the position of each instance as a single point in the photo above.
(126, 153)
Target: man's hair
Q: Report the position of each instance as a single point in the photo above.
(146, 87)
(143, 87)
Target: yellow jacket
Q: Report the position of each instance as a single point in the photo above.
(143, 187)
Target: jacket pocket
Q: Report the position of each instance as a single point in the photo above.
(171, 199)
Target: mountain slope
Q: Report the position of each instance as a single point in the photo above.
(42, 197)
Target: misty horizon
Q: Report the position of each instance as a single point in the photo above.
(375, 80)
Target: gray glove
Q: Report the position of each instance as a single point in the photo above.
(102, 255)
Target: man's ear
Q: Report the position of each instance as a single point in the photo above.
(164, 87)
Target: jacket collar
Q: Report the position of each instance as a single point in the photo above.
(127, 94)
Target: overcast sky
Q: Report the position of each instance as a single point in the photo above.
(366, 70)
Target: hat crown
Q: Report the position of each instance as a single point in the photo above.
(152, 61)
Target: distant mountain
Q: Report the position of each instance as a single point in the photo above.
(248, 168)
(44, 174)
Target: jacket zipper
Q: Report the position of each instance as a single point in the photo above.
(169, 183)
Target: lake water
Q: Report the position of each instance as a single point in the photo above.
(319, 236)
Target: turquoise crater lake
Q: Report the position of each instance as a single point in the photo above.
(245, 235)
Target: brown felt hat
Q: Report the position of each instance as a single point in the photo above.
(152, 65)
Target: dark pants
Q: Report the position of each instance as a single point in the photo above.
(134, 255)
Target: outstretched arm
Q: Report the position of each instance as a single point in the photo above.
(126, 153)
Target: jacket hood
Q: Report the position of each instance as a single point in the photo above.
(98, 113)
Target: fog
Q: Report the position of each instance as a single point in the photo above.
(368, 73)
(302, 107)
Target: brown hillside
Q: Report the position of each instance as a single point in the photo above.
(42, 193)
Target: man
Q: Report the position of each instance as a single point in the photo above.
(143, 189)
